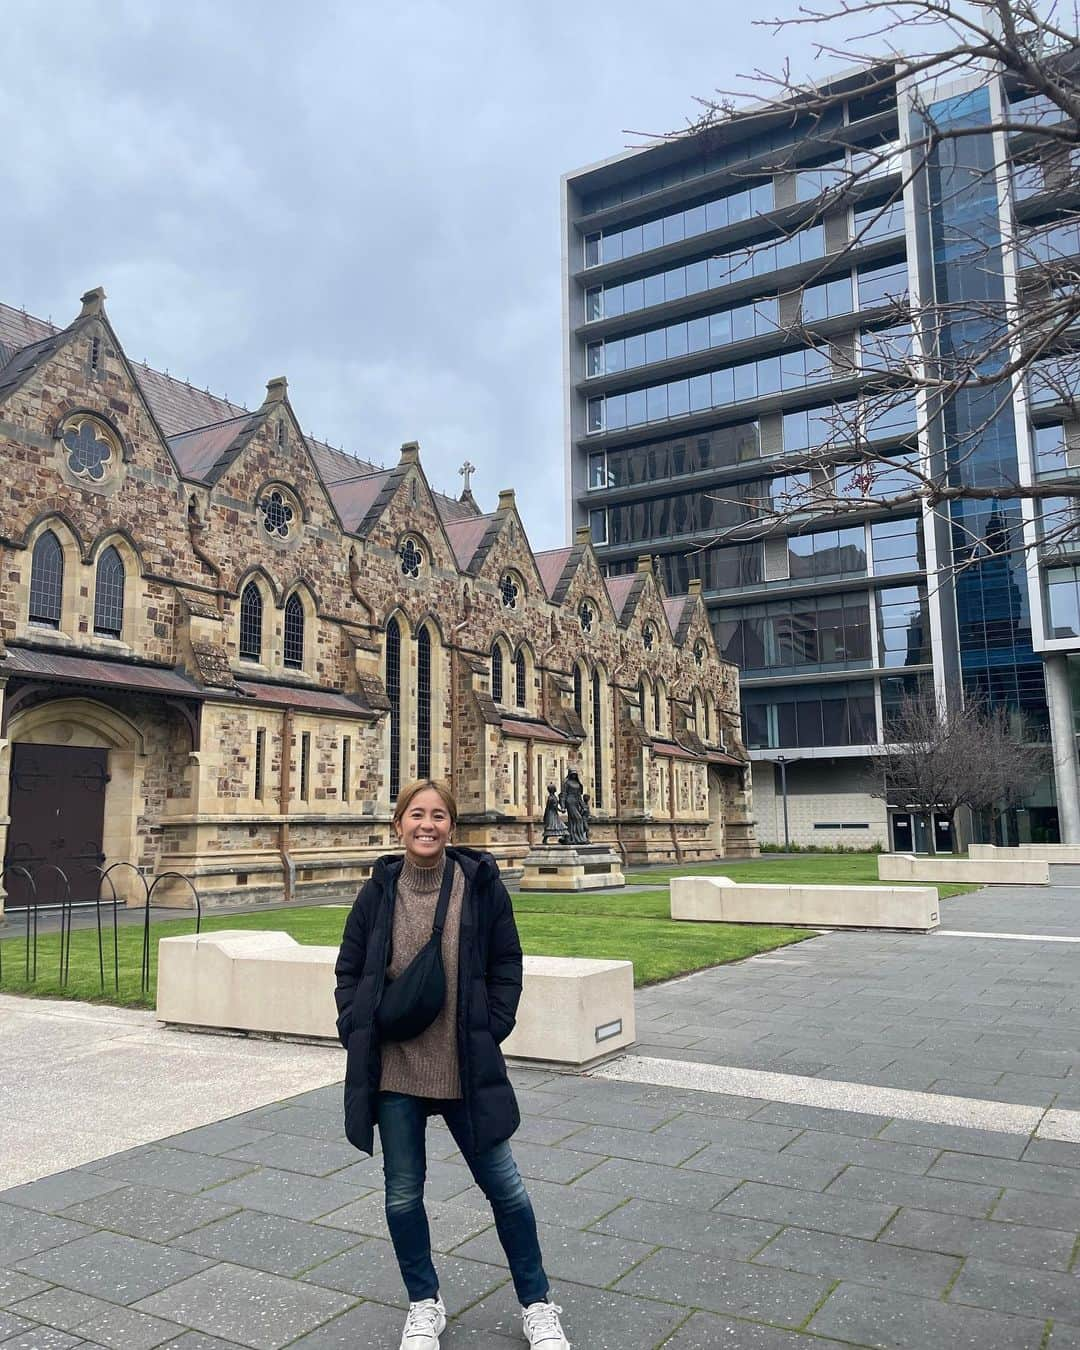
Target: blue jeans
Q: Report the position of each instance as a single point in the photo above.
(402, 1125)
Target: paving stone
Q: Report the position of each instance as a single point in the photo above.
(987, 1239)
(1020, 1290)
(719, 1284)
(547, 1164)
(778, 1169)
(1064, 1337)
(590, 1258)
(662, 1225)
(594, 1319)
(64, 1308)
(650, 1181)
(217, 1138)
(43, 1338)
(171, 1169)
(111, 1266)
(707, 1331)
(1021, 1176)
(289, 1193)
(848, 1258)
(11, 1325)
(368, 1324)
(55, 1193)
(957, 1138)
(143, 1212)
(808, 1209)
(610, 1141)
(15, 1287)
(371, 1271)
(569, 1206)
(306, 1122)
(1053, 1151)
(604, 1111)
(821, 1118)
(126, 1329)
(896, 1188)
(298, 1153)
(884, 1155)
(26, 1231)
(195, 1340)
(760, 1136)
(268, 1242)
(546, 1130)
(450, 1221)
(249, 1307)
(1043, 1211)
(891, 1320)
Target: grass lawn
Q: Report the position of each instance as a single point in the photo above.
(826, 869)
(632, 927)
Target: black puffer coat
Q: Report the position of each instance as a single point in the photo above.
(489, 987)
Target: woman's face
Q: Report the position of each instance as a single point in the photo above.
(425, 828)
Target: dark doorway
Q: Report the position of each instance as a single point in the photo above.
(57, 816)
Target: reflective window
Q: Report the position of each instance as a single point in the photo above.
(827, 553)
(806, 632)
(903, 624)
(885, 348)
(809, 715)
(46, 581)
(883, 286)
(109, 594)
(1063, 601)
(881, 221)
(896, 546)
(1050, 448)
(827, 300)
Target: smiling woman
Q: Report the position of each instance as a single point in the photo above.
(438, 924)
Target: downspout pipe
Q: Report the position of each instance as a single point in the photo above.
(288, 867)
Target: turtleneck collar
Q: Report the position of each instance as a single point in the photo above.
(422, 879)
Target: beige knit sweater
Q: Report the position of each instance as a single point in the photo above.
(426, 1066)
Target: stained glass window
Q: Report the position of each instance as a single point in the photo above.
(47, 581)
(509, 589)
(656, 707)
(586, 615)
(521, 673)
(598, 741)
(411, 558)
(423, 704)
(577, 690)
(251, 613)
(109, 594)
(89, 451)
(393, 693)
(699, 653)
(648, 637)
(277, 514)
(294, 633)
(497, 673)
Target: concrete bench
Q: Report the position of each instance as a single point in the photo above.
(908, 867)
(572, 1011)
(721, 900)
(1062, 854)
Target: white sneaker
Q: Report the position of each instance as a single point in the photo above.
(542, 1328)
(425, 1324)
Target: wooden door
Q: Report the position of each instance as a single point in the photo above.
(57, 816)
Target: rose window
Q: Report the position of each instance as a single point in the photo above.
(648, 637)
(411, 558)
(89, 452)
(699, 653)
(277, 514)
(509, 588)
(585, 614)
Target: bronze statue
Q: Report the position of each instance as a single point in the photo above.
(553, 821)
(572, 800)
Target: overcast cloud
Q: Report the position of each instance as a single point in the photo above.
(364, 198)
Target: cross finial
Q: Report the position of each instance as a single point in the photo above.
(466, 471)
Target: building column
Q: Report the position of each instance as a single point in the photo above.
(1066, 779)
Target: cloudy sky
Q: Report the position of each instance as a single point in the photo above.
(362, 197)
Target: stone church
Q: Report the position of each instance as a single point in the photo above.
(224, 645)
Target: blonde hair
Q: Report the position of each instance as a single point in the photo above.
(411, 790)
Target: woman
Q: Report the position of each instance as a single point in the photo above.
(454, 1068)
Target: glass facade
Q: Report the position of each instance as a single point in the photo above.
(810, 715)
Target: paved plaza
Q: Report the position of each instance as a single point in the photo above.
(670, 1215)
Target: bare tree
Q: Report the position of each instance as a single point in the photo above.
(938, 761)
(938, 371)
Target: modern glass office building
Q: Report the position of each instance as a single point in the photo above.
(725, 310)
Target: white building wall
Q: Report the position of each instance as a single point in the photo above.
(823, 797)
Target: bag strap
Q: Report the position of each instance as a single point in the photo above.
(444, 898)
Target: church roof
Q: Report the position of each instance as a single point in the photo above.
(619, 589)
(677, 609)
(196, 452)
(355, 498)
(551, 564)
(466, 536)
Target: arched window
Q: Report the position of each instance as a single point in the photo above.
(643, 701)
(497, 673)
(47, 581)
(393, 693)
(423, 704)
(577, 690)
(293, 651)
(521, 680)
(251, 614)
(598, 741)
(657, 708)
(109, 594)
(708, 720)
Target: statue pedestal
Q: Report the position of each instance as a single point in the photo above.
(571, 867)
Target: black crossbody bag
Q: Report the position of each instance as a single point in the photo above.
(412, 1002)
